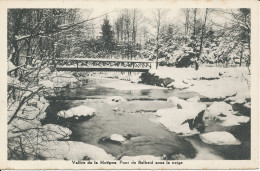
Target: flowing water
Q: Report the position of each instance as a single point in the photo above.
(136, 121)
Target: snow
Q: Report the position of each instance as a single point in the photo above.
(141, 157)
(56, 132)
(71, 150)
(44, 72)
(77, 111)
(13, 81)
(62, 79)
(233, 120)
(178, 84)
(217, 108)
(11, 66)
(211, 82)
(192, 108)
(241, 96)
(219, 138)
(194, 99)
(19, 125)
(117, 137)
(174, 120)
(46, 84)
(216, 89)
(223, 113)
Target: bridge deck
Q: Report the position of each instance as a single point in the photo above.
(112, 69)
(102, 60)
(92, 64)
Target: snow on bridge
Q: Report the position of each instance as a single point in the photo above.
(91, 64)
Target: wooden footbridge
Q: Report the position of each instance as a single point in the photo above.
(89, 64)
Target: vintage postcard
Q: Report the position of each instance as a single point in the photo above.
(129, 84)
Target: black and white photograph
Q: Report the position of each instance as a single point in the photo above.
(129, 84)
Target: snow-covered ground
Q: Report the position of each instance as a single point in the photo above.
(211, 82)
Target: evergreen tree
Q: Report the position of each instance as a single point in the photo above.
(107, 35)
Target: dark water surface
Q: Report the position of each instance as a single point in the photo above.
(136, 120)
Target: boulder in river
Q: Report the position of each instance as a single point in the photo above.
(217, 108)
(77, 112)
(191, 108)
(223, 114)
(219, 138)
(117, 137)
(175, 120)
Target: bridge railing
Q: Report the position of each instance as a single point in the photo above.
(102, 63)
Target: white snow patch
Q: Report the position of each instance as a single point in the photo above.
(72, 150)
(217, 108)
(233, 120)
(191, 108)
(173, 119)
(117, 137)
(44, 72)
(194, 99)
(178, 84)
(219, 138)
(46, 84)
(223, 112)
(77, 111)
(11, 66)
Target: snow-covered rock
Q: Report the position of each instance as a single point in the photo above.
(141, 157)
(191, 108)
(217, 108)
(77, 111)
(233, 120)
(174, 120)
(223, 114)
(115, 100)
(240, 98)
(117, 137)
(219, 138)
(72, 150)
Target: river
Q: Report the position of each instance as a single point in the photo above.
(136, 120)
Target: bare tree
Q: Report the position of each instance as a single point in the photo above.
(157, 22)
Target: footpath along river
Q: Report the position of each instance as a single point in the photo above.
(136, 120)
